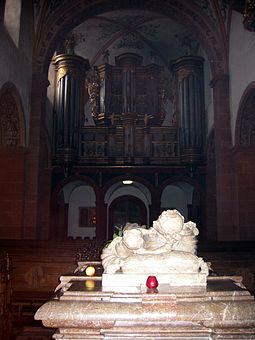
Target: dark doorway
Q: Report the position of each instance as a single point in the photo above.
(126, 209)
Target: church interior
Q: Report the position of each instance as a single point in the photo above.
(112, 112)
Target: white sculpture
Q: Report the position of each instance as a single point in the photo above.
(169, 246)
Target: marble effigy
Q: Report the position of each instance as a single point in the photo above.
(166, 250)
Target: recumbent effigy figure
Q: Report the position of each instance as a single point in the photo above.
(169, 246)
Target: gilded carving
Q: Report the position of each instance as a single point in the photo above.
(184, 73)
(93, 86)
(63, 71)
(163, 98)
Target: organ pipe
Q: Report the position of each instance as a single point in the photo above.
(68, 106)
(189, 84)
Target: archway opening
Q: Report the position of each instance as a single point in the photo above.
(186, 199)
(126, 209)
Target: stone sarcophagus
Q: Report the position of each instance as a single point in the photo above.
(153, 287)
(224, 310)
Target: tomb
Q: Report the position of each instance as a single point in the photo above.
(185, 303)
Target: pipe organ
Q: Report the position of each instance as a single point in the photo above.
(127, 103)
(68, 108)
(189, 87)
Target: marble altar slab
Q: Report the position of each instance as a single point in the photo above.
(120, 282)
(224, 310)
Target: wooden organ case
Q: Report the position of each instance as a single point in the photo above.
(128, 108)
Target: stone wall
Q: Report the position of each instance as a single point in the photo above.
(12, 189)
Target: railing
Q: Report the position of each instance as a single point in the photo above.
(155, 145)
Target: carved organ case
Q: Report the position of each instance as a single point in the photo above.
(128, 99)
(127, 88)
(128, 108)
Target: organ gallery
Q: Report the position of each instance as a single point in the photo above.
(112, 112)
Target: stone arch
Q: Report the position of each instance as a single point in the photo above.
(59, 206)
(65, 17)
(82, 211)
(12, 155)
(135, 178)
(53, 23)
(244, 162)
(189, 180)
(139, 190)
(12, 122)
(245, 123)
(198, 194)
(136, 202)
(177, 196)
(74, 178)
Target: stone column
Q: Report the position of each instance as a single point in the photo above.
(225, 195)
(33, 201)
(69, 105)
(101, 215)
(189, 79)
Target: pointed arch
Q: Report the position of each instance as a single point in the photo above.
(12, 122)
(245, 122)
(244, 162)
(189, 186)
(12, 155)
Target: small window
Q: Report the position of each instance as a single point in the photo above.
(12, 18)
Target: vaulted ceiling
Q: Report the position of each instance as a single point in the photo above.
(156, 37)
(161, 30)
